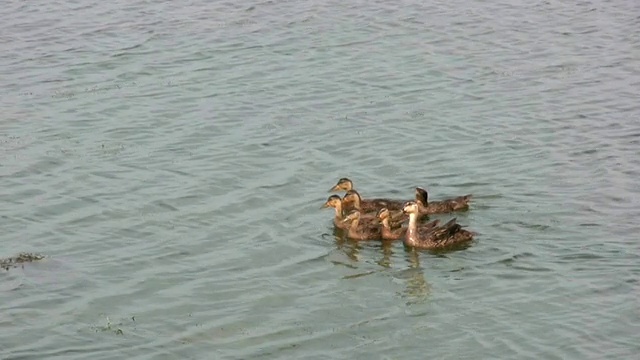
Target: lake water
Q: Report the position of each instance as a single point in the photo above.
(170, 160)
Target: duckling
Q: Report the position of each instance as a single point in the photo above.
(359, 231)
(387, 233)
(431, 236)
(335, 202)
(444, 206)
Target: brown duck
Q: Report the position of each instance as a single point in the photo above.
(387, 233)
(431, 236)
(362, 231)
(443, 206)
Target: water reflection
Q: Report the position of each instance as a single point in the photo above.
(347, 246)
(387, 252)
(350, 248)
(417, 289)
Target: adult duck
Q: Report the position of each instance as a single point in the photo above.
(431, 236)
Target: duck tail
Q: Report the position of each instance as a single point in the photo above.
(443, 232)
(450, 223)
(462, 202)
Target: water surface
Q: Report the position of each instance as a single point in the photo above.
(171, 159)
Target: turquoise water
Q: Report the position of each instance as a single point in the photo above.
(170, 159)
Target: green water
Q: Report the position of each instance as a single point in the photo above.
(171, 158)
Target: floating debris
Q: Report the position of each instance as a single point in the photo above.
(112, 327)
(19, 260)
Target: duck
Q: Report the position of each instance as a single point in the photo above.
(431, 236)
(336, 202)
(387, 233)
(443, 206)
(362, 231)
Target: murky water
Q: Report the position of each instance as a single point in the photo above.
(171, 158)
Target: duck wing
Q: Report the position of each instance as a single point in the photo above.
(369, 232)
(388, 234)
(452, 233)
(445, 231)
(426, 230)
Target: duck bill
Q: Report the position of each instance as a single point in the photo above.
(325, 205)
(335, 188)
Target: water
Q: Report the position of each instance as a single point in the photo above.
(171, 159)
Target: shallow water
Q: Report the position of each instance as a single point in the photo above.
(171, 159)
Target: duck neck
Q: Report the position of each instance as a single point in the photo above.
(423, 200)
(339, 211)
(412, 229)
(356, 202)
(385, 224)
(386, 228)
(353, 228)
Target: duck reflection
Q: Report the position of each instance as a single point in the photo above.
(417, 288)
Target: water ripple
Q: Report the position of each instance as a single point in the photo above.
(171, 161)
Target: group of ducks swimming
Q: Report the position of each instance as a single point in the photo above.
(382, 219)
